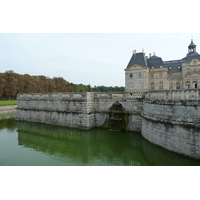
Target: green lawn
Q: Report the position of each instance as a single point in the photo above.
(8, 103)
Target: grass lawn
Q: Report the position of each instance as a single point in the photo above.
(8, 103)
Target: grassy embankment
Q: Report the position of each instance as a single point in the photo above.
(8, 103)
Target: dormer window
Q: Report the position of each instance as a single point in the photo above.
(161, 66)
(170, 67)
(152, 67)
(179, 67)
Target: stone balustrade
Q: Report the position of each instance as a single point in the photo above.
(174, 95)
(79, 96)
(51, 96)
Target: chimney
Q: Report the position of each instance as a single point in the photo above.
(134, 52)
(149, 55)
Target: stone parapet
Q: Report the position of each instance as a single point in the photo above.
(185, 94)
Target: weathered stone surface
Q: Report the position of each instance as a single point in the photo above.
(78, 110)
(170, 119)
(172, 126)
(7, 112)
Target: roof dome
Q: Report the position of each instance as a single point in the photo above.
(191, 48)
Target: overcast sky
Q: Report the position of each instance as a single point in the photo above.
(88, 58)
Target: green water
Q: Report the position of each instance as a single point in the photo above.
(30, 144)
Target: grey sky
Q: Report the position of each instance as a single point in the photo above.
(96, 59)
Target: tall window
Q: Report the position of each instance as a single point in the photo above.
(152, 86)
(131, 85)
(171, 85)
(139, 74)
(187, 85)
(140, 85)
(178, 85)
(194, 84)
(131, 75)
(160, 85)
(161, 75)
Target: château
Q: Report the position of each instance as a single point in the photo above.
(149, 73)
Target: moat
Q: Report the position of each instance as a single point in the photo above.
(31, 144)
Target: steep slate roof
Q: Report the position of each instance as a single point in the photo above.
(173, 65)
(155, 62)
(138, 59)
(190, 56)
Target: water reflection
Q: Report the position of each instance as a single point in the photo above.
(9, 124)
(96, 146)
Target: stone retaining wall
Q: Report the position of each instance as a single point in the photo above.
(170, 119)
(174, 125)
(7, 112)
(78, 110)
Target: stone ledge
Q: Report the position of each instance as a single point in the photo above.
(173, 102)
(4, 109)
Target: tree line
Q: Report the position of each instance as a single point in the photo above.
(12, 83)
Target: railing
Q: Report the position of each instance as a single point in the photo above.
(185, 94)
(81, 95)
(120, 96)
(51, 96)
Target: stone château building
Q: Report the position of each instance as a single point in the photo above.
(145, 73)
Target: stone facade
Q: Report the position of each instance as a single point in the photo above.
(151, 73)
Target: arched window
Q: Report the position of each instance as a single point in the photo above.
(160, 85)
(187, 85)
(194, 84)
(131, 75)
(178, 85)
